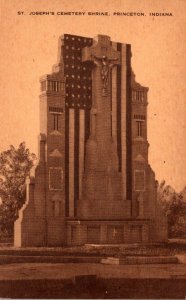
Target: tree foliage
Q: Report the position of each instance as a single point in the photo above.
(174, 208)
(15, 165)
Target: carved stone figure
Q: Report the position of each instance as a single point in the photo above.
(106, 65)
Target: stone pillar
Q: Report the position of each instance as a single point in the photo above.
(24, 228)
(102, 182)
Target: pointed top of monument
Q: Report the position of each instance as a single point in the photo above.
(103, 40)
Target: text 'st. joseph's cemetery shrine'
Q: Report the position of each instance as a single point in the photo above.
(93, 182)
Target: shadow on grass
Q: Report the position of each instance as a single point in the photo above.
(101, 289)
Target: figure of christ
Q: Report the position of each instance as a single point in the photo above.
(106, 65)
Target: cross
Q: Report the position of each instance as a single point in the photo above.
(104, 57)
(114, 232)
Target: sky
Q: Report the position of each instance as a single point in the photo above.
(29, 45)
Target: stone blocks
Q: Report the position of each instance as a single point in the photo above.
(107, 231)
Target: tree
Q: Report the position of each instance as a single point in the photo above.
(15, 165)
(173, 207)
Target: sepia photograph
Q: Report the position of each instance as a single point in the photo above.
(93, 149)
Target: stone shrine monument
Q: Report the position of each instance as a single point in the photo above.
(93, 182)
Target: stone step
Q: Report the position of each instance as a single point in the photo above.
(45, 252)
(128, 260)
(9, 259)
(135, 260)
(124, 245)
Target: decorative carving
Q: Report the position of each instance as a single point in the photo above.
(55, 178)
(56, 153)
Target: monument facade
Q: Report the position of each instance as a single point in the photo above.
(93, 182)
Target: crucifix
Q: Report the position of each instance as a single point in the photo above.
(105, 64)
(104, 57)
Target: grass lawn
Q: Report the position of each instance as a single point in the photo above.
(167, 249)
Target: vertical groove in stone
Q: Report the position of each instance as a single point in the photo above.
(114, 99)
(87, 127)
(128, 126)
(119, 109)
(71, 162)
(87, 124)
(76, 159)
(66, 162)
(81, 147)
(123, 117)
(111, 104)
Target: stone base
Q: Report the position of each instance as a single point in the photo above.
(39, 232)
(81, 232)
(29, 232)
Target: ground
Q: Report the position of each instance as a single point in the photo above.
(174, 246)
(92, 279)
(128, 282)
(69, 270)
